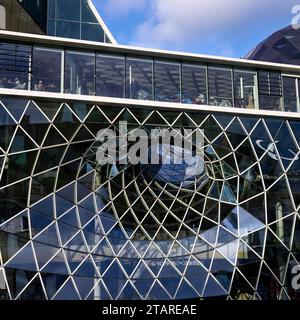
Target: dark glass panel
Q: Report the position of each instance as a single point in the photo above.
(245, 89)
(290, 99)
(46, 70)
(268, 102)
(51, 9)
(167, 81)
(92, 32)
(68, 10)
(194, 84)
(220, 87)
(14, 65)
(139, 82)
(51, 27)
(86, 13)
(68, 29)
(80, 73)
(110, 73)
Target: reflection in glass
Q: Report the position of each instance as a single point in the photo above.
(46, 70)
(92, 32)
(80, 73)
(167, 81)
(220, 87)
(194, 84)
(290, 97)
(110, 73)
(139, 82)
(270, 90)
(245, 89)
(68, 10)
(68, 29)
(14, 66)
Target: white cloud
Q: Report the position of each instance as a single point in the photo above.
(122, 8)
(176, 23)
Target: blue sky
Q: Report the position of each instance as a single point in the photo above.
(219, 27)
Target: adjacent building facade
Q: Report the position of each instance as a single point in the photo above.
(224, 224)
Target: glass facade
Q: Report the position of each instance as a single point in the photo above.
(72, 228)
(110, 76)
(144, 78)
(167, 81)
(139, 80)
(222, 224)
(46, 72)
(74, 19)
(79, 73)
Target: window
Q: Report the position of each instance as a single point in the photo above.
(290, 94)
(245, 89)
(92, 32)
(87, 15)
(139, 84)
(110, 75)
(167, 81)
(270, 90)
(46, 69)
(68, 29)
(2, 17)
(220, 87)
(14, 66)
(194, 84)
(68, 10)
(80, 73)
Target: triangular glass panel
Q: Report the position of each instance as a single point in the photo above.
(84, 285)
(34, 291)
(21, 142)
(70, 218)
(52, 282)
(170, 284)
(43, 253)
(99, 293)
(49, 236)
(213, 289)
(87, 269)
(16, 106)
(45, 207)
(5, 118)
(82, 135)
(38, 222)
(241, 289)
(114, 286)
(185, 291)
(129, 293)
(57, 265)
(48, 107)
(17, 280)
(23, 260)
(158, 293)
(33, 115)
(67, 292)
(77, 243)
(66, 232)
(54, 137)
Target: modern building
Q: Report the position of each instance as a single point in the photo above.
(72, 227)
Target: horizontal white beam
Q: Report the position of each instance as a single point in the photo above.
(120, 102)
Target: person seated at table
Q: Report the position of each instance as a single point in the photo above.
(3, 82)
(17, 84)
(51, 88)
(39, 86)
